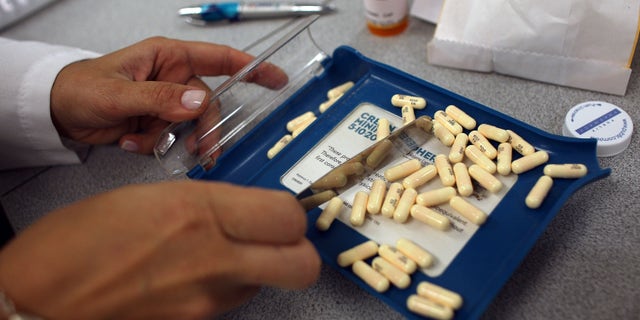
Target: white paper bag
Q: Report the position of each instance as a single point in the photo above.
(587, 44)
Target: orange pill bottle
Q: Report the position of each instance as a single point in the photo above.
(386, 17)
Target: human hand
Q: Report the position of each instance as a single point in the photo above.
(130, 95)
(177, 250)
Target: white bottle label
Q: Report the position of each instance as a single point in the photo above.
(385, 12)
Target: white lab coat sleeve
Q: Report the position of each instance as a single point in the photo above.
(27, 135)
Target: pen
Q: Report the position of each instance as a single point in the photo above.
(235, 11)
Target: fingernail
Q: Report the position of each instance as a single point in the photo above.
(129, 145)
(192, 99)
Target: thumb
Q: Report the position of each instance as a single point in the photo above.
(167, 101)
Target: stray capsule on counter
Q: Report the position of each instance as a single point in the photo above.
(539, 192)
(463, 180)
(317, 199)
(529, 162)
(362, 251)
(480, 141)
(379, 153)
(359, 208)
(503, 165)
(485, 179)
(338, 91)
(403, 208)
(430, 217)
(279, 146)
(445, 170)
(448, 122)
(402, 170)
(303, 126)
(422, 257)
(329, 214)
(376, 196)
(467, 210)
(383, 129)
(408, 114)
(456, 154)
(427, 308)
(397, 259)
(436, 197)
(420, 177)
(296, 122)
(391, 199)
(520, 145)
(391, 272)
(370, 276)
(461, 117)
(447, 138)
(401, 100)
(439, 294)
(494, 133)
(565, 171)
(476, 156)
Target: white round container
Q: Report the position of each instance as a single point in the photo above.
(607, 123)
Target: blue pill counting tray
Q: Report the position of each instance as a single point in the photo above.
(231, 140)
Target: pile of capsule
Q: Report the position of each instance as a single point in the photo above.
(394, 265)
(298, 124)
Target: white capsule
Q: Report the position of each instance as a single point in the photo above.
(539, 192)
(430, 217)
(456, 154)
(408, 114)
(359, 208)
(440, 295)
(461, 117)
(448, 122)
(402, 170)
(420, 177)
(383, 129)
(376, 196)
(445, 170)
(565, 171)
(503, 165)
(403, 209)
(422, 257)
(401, 100)
(494, 133)
(397, 259)
(379, 153)
(370, 276)
(391, 272)
(436, 197)
(352, 168)
(303, 126)
(520, 145)
(463, 180)
(296, 122)
(428, 308)
(327, 104)
(529, 162)
(480, 141)
(391, 199)
(476, 156)
(467, 210)
(443, 134)
(317, 199)
(362, 251)
(329, 214)
(279, 146)
(485, 179)
(339, 90)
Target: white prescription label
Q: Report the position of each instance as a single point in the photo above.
(357, 132)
